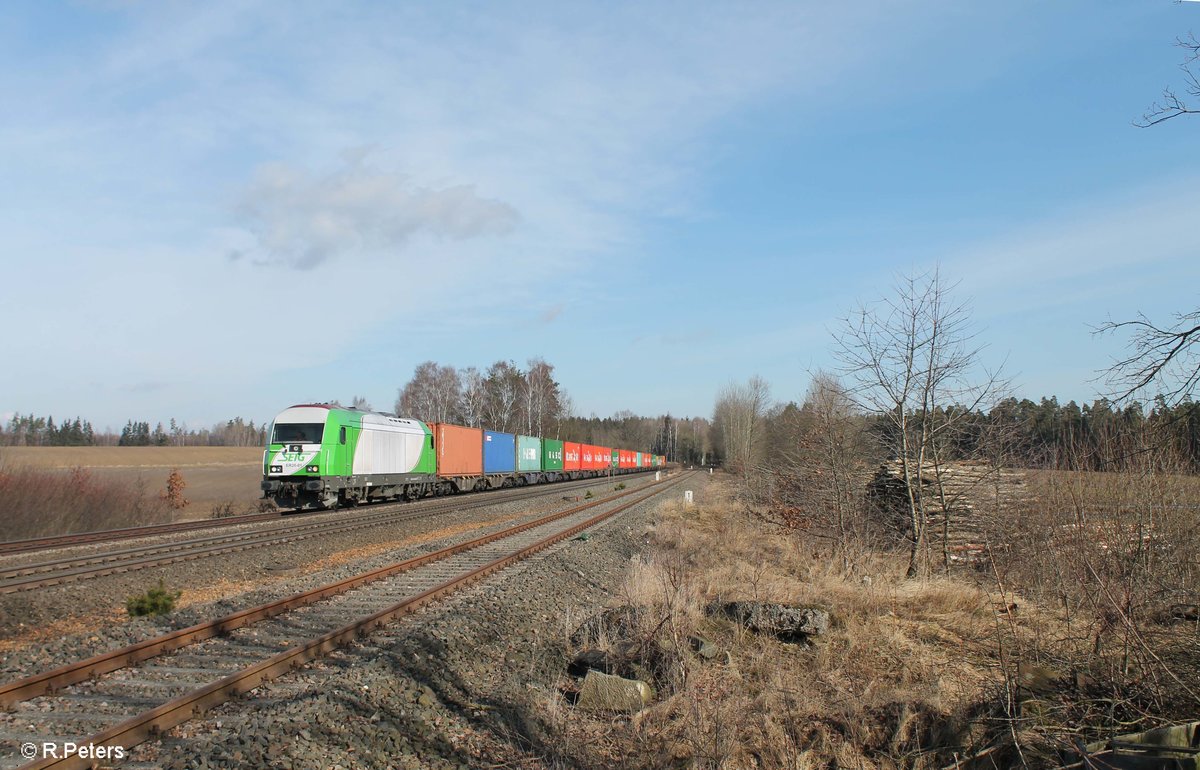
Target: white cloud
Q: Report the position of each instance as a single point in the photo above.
(514, 148)
(302, 220)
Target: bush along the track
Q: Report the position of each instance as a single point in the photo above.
(620, 486)
(156, 601)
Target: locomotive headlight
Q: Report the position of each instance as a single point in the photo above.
(312, 469)
(276, 469)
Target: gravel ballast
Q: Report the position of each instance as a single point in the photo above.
(458, 685)
(238, 580)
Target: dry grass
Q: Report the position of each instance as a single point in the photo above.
(1015, 660)
(217, 477)
(36, 502)
(1115, 555)
(903, 679)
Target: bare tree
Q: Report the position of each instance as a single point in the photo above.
(474, 392)
(740, 410)
(911, 356)
(1172, 106)
(566, 412)
(360, 402)
(432, 395)
(837, 456)
(540, 393)
(503, 393)
(1166, 355)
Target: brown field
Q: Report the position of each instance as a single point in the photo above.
(214, 475)
(1110, 488)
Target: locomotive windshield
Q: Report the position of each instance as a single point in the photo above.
(298, 433)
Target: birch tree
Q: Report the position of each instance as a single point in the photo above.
(432, 395)
(540, 393)
(912, 359)
(502, 396)
(739, 412)
(474, 393)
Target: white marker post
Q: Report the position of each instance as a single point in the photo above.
(658, 475)
(687, 497)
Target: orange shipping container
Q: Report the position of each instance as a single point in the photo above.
(570, 456)
(459, 450)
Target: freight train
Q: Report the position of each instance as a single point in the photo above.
(326, 456)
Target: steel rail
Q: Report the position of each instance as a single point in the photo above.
(71, 569)
(48, 682)
(49, 542)
(14, 547)
(153, 722)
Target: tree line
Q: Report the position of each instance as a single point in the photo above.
(913, 392)
(508, 398)
(30, 430)
(750, 430)
(503, 397)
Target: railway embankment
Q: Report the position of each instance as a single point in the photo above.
(88, 616)
(755, 650)
(746, 645)
(463, 683)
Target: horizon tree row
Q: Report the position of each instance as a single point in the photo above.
(28, 430)
(506, 398)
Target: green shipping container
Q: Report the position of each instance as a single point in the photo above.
(529, 453)
(616, 458)
(638, 461)
(552, 454)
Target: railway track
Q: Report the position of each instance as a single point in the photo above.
(53, 542)
(27, 577)
(127, 533)
(124, 697)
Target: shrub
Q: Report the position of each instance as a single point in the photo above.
(589, 495)
(174, 494)
(36, 502)
(620, 486)
(156, 601)
(224, 510)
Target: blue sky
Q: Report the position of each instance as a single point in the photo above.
(224, 208)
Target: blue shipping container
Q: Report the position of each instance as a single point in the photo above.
(499, 452)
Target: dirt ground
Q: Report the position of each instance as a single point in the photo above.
(214, 475)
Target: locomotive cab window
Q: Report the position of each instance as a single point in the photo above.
(342, 435)
(298, 433)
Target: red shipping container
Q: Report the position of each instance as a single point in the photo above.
(626, 458)
(603, 457)
(459, 450)
(571, 456)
